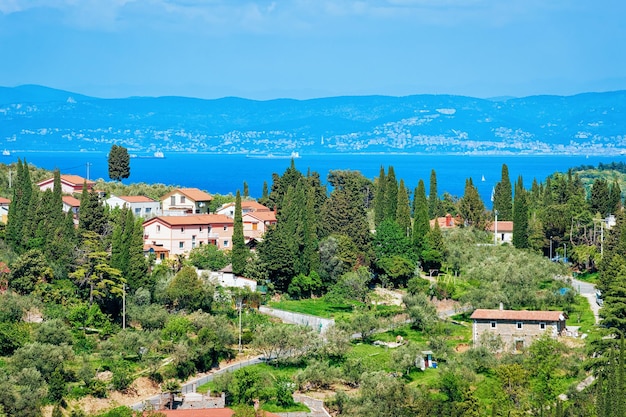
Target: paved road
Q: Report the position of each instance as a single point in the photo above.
(588, 291)
(191, 385)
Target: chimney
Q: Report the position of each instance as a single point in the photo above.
(501, 306)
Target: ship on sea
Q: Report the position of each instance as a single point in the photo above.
(293, 155)
(6, 152)
(159, 154)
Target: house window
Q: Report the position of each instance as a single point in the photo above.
(158, 228)
(226, 243)
(182, 199)
(255, 226)
(148, 210)
(542, 326)
(181, 245)
(173, 200)
(225, 227)
(519, 344)
(519, 325)
(200, 228)
(162, 256)
(182, 229)
(138, 211)
(494, 324)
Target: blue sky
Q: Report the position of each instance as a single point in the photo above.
(314, 48)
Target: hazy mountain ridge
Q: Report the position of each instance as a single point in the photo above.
(35, 117)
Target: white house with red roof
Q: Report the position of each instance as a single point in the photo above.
(516, 328)
(180, 234)
(503, 231)
(247, 206)
(140, 205)
(4, 209)
(256, 223)
(184, 201)
(70, 184)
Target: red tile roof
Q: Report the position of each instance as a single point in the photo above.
(265, 216)
(136, 199)
(71, 201)
(517, 315)
(194, 194)
(4, 201)
(503, 227)
(192, 219)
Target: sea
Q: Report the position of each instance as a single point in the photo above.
(226, 173)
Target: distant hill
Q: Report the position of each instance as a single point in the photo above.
(32, 94)
(35, 117)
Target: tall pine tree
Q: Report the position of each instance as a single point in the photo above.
(239, 254)
(421, 223)
(434, 204)
(403, 210)
(380, 201)
(471, 206)
(391, 194)
(520, 216)
(503, 196)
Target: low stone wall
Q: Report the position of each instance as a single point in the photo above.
(318, 323)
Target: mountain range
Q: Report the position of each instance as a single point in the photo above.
(35, 117)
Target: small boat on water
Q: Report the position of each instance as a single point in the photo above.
(483, 179)
(159, 154)
(6, 153)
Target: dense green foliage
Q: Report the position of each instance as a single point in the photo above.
(119, 163)
(327, 251)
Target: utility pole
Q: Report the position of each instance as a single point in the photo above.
(240, 305)
(495, 230)
(123, 306)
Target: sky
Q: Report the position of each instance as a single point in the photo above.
(314, 48)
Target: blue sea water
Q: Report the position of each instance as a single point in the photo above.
(224, 174)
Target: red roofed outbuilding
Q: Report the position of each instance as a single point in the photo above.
(516, 328)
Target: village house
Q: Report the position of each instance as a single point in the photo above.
(180, 234)
(517, 329)
(140, 205)
(503, 231)
(446, 222)
(247, 206)
(226, 278)
(183, 201)
(4, 209)
(70, 184)
(256, 223)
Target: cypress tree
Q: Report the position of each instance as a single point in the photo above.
(391, 194)
(119, 242)
(20, 210)
(91, 213)
(471, 206)
(310, 256)
(245, 190)
(403, 211)
(119, 163)
(599, 199)
(380, 201)
(421, 223)
(239, 254)
(503, 197)
(434, 204)
(137, 274)
(615, 197)
(520, 216)
(344, 213)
